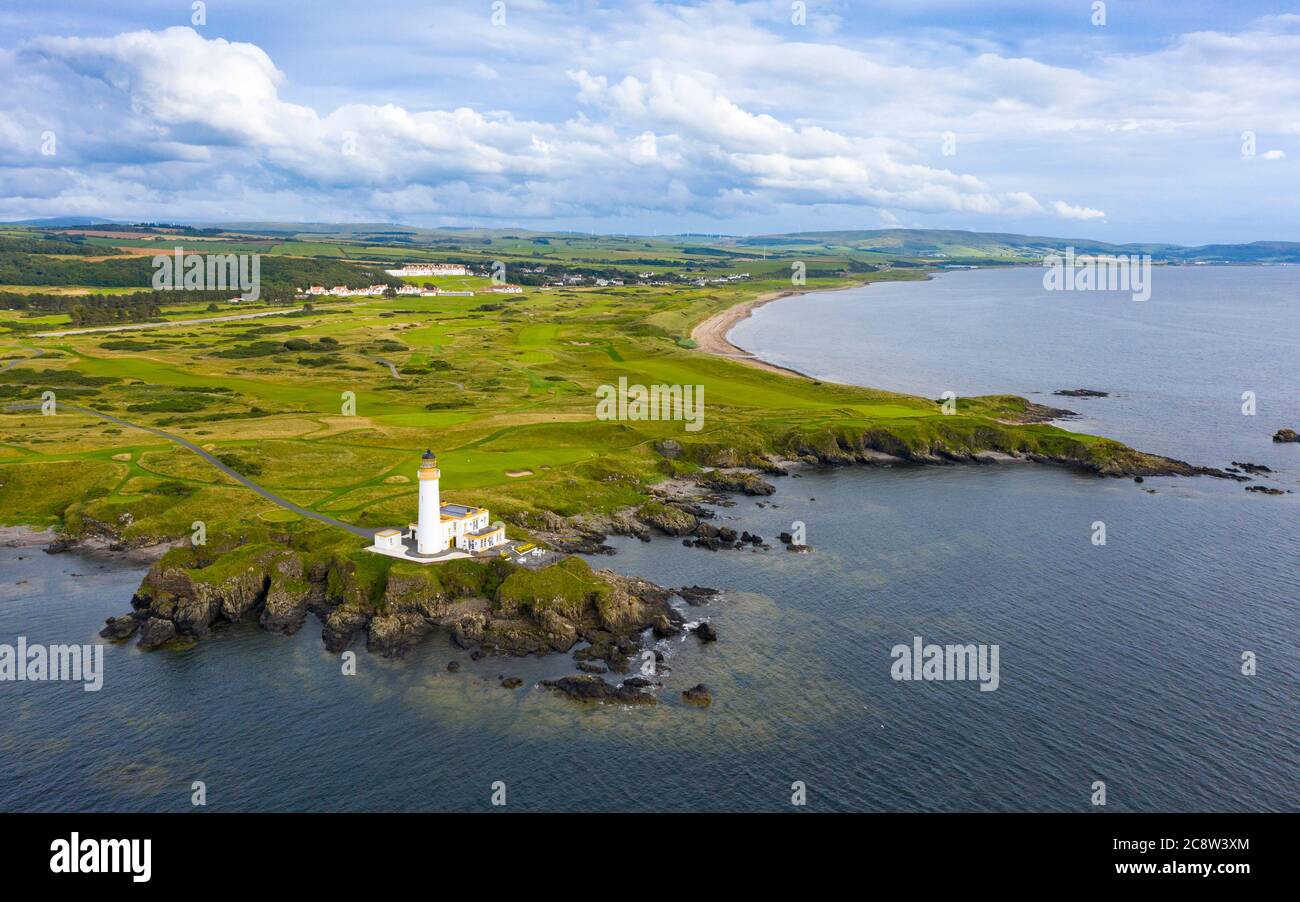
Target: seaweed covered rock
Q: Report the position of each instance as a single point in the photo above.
(594, 690)
(156, 632)
(288, 596)
(121, 628)
(668, 519)
(741, 481)
(698, 695)
(193, 593)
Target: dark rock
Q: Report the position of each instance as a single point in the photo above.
(800, 549)
(639, 682)
(340, 626)
(393, 635)
(698, 695)
(119, 628)
(1251, 468)
(592, 667)
(668, 519)
(156, 632)
(686, 542)
(1138, 479)
(594, 690)
(1265, 490)
(706, 632)
(1286, 435)
(741, 481)
(453, 666)
(1081, 393)
(664, 627)
(669, 448)
(511, 683)
(697, 595)
(468, 632)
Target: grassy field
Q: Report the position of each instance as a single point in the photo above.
(503, 387)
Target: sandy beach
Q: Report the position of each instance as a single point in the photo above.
(711, 335)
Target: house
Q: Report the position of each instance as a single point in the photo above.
(441, 531)
(316, 289)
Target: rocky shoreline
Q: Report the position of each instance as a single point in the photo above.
(496, 608)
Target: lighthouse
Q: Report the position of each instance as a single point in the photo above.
(430, 537)
(440, 532)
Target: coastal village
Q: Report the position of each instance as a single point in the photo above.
(436, 270)
(410, 270)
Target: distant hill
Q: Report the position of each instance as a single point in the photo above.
(941, 244)
(905, 246)
(63, 222)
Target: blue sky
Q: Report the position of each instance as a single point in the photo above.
(1169, 122)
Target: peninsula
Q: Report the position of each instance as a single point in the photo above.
(264, 459)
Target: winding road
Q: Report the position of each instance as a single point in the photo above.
(392, 367)
(36, 352)
(238, 477)
(135, 327)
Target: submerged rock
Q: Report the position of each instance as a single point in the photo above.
(698, 695)
(639, 682)
(594, 690)
(705, 632)
(1081, 393)
(697, 595)
(1251, 468)
(1265, 490)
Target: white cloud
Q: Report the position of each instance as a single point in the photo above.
(745, 116)
(1067, 211)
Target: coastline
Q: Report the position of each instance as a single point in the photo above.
(711, 334)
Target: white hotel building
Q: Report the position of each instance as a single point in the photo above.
(429, 269)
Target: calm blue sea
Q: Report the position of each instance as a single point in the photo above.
(1119, 663)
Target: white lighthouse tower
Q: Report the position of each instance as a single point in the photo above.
(430, 538)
